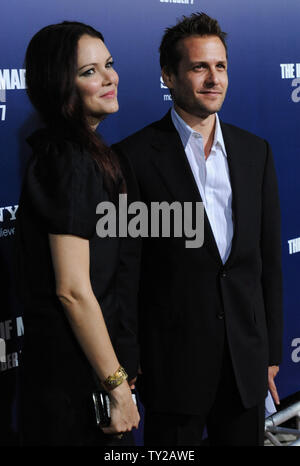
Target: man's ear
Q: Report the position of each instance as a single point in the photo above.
(167, 78)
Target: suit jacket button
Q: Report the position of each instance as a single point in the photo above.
(221, 315)
(223, 274)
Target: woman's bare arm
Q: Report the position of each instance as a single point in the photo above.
(70, 256)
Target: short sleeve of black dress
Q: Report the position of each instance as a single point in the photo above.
(64, 184)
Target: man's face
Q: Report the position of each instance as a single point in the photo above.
(201, 82)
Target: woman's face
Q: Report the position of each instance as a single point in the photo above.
(96, 79)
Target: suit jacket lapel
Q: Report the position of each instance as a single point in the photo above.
(172, 165)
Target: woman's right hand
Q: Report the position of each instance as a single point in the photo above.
(123, 411)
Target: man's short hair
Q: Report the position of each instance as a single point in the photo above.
(198, 24)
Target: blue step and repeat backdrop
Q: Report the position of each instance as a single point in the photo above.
(263, 97)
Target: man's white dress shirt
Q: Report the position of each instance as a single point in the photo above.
(212, 178)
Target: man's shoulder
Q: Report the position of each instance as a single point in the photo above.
(139, 136)
(240, 134)
(147, 134)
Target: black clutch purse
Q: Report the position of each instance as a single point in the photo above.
(101, 404)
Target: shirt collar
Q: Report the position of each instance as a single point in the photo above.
(185, 131)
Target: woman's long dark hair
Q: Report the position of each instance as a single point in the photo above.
(51, 68)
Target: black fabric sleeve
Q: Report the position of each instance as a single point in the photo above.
(65, 185)
(271, 260)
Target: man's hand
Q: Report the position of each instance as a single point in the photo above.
(132, 383)
(272, 372)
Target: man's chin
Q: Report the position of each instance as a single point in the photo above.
(204, 113)
(200, 111)
(210, 110)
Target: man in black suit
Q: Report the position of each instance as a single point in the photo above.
(211, 317)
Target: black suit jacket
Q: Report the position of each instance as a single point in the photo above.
(185, 294)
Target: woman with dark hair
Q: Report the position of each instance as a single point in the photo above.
(78, 289)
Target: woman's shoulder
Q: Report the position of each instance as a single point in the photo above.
(63, 184)
(58, 151)
(46, 142)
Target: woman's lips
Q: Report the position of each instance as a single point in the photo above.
(109, 95)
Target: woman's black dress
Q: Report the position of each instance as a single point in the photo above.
(62, 187)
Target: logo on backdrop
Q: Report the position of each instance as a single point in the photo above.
(292, 71)
(10, 79)
(7, 215)
(296, 352)
(2, 350)
(10, 330)
(2, 104)
(294, 245)
(182, 2)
